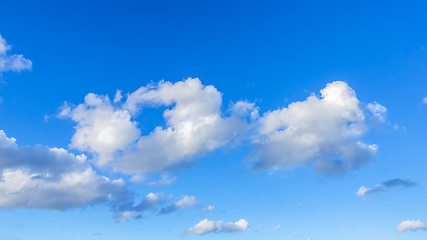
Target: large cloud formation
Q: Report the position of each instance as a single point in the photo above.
(15, 62)
(322, 131)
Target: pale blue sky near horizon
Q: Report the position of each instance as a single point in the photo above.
(300, 170)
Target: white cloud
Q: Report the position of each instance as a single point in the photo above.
(102, 128)
(195, 126)
(324, 132)
(209, 209)
(276, 228)
(207, 226)
(425, 100)
(378, 111)
(411, 225)
(165, 180)
(15, 62)
(49, 178)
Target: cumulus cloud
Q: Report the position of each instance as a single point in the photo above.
(187, 201)
(392, 183)
(207, 226)
(322, 131)
(102, 128)
(50, 178)
(411, 225)
(15, 62)
(195, 126)
(165, 180)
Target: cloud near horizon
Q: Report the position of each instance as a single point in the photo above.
(206, 226)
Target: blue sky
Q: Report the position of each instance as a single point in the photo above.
(206, 120)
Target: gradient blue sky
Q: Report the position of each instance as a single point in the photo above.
(300, 169)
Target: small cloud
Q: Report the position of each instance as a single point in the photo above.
(363, 191)
(118, 96)
(425, 100)
(378, 111)
(207, 226)
(410, 225)
(209, 209)
(165, 180)
(276, 228)
(392, 183)
(187, 201)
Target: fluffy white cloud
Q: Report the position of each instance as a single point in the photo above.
(207, 226)
(15, 62)
(102, 128)
(411, 225)
(195, 126)
(323, 131)
(49, 178)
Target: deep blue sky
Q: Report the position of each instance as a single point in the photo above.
(271, 53)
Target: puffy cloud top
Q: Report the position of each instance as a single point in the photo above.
(324, 131)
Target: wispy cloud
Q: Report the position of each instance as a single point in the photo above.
(165, 180)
